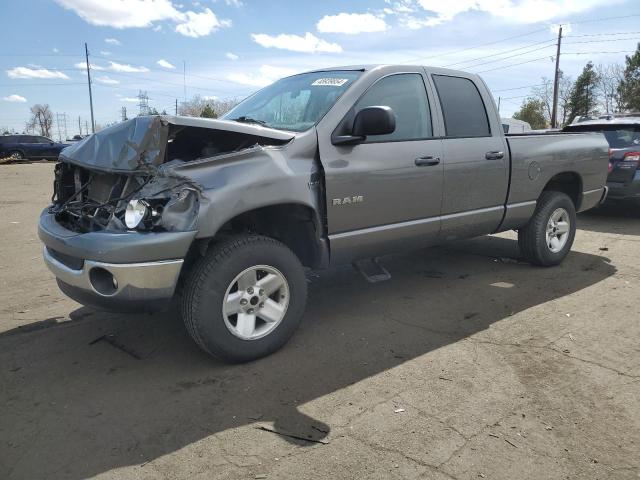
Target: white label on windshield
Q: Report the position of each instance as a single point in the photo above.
(331, 82)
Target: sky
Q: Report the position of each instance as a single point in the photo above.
(230, 48)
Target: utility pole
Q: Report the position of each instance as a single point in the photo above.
(176, 106)
(86, 56)
(556, 82)
(86, 128)
(184, 79)
(79, 126)
(499, 98)
(124, 114)
(58, 125)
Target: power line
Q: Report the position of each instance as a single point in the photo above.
(500, 53)
(476, 46)
(510, 56)
(519, 88)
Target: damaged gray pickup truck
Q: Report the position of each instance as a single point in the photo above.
(326, 167)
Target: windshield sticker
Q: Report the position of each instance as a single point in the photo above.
(330, 82)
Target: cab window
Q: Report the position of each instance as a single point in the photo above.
(406, 95)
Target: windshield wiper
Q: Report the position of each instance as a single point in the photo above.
(244, 119)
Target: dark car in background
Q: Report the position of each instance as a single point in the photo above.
(19, 147)
(622, 131)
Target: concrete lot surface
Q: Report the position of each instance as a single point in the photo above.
(466, 364)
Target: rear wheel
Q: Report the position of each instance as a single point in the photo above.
(245, 298)
(16, 155)
(547, 238)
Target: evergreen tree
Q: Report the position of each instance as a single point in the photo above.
(532, 111)
(629, 87)
(208, 112)
(583, 98)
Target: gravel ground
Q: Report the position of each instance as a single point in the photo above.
(466, 364)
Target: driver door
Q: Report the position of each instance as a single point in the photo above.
(385, 193)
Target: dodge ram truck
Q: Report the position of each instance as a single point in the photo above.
(326, 167)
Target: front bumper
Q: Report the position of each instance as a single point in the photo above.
(119, 271)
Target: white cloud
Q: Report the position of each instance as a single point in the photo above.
(309, 43)
(83, 66)
(267, 74)
(234, 3)
(14, 98)
(129, 99)
(351, 23)
(114, 67)
(163, 63)
(121, 14)
(26, 72)
(55, 50)
(112, 41)
(209, 97)
(106, 80)
(123, 67)
(144, 13)
(231, 56)
(416, 14)
(201, 24)
(105, 53)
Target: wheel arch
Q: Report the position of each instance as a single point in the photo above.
(295, 224)
(568, 182)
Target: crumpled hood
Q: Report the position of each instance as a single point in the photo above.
(139, 144)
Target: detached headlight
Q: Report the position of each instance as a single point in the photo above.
(137, 211)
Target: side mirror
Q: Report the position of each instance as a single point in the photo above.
(376, 120)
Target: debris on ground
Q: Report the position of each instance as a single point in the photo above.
(399, 410)
(295, 436)
(511, 443)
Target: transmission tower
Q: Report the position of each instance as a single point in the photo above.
(124, 114)
(143, 100)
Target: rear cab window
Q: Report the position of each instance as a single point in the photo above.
(463, 109)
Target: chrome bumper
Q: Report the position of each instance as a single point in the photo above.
(117, 285)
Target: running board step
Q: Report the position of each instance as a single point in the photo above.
(371, 270)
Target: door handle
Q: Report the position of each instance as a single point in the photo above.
(494, 155)
(428, 161)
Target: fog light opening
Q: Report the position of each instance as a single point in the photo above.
(103, 281)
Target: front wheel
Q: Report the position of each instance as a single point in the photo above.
(245, 298)
(547, 238)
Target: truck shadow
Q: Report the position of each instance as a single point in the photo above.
(110, 390)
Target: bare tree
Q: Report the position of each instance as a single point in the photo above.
(41, 120)
(544, 94)
(609, 77)
(197, 105)
(565, 84)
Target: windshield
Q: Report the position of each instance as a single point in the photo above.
(295, 103)
(618, 136)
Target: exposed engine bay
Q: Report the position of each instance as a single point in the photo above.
(122, 178)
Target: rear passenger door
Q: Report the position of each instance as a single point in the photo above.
(476, 160)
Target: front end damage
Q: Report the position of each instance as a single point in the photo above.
(124, 177)
(124, 213)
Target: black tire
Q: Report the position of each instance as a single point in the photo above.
(16, 155)
(207, 283)
(532, 238)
